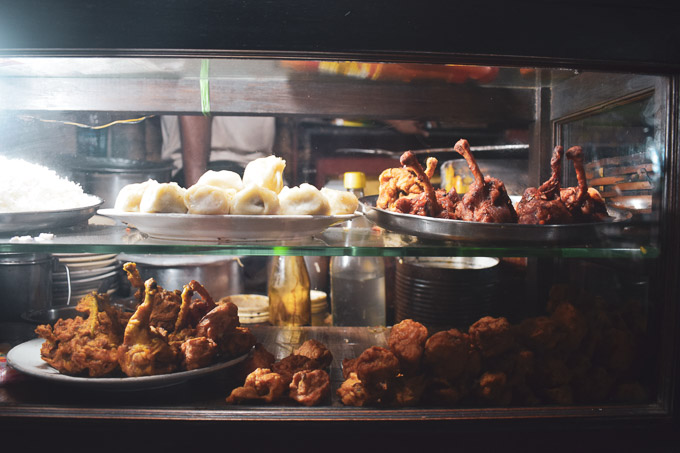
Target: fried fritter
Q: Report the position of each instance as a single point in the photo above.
(493, 336)
(84, 346)
(446, 354)
(317, 351)
(310, 388)
(260, 385)
(407, 342)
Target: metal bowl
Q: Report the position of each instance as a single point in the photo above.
(220, 275)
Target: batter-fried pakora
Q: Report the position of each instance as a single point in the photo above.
(407, 342)
(297, 377)
(84, 346)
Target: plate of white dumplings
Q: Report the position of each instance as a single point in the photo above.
(224, 206)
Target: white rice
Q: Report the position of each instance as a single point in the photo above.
(27, 187)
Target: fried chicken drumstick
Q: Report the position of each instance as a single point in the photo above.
(487, 199)
(430, 202)
(396, 183)
(585, 204)
(544, 206)
(145, 350)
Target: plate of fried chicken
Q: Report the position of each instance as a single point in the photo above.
(550, 214)
(171, 337)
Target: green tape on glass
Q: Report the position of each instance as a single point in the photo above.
(205, 87)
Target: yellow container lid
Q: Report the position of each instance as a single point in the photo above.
(354, 180)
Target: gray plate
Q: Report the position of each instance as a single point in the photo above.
(459, 230)
(26, 222)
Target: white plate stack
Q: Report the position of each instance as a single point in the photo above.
(78, 274)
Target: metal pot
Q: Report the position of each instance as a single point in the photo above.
(221, 275)
(25, 284)
(104, 177)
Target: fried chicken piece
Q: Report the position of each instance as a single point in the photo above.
(192, 311)
(135, 280)
(487, 199)
(197, 352)
(407, 342)
(78, 346)
(218, 325)
(292, 364)
(424, 204)
(310, 388)
(446, 354)
(493, 388)
(145, 350)
(237, 342)
(585, 204)
(407, 391)
(166, 305)
(572, 324)
(539, 333)
(259, 357)
(492, 336)
(317, 351)
(442, 392)
(396, 183)
(543, 206)
(353, 392)
(260, 385)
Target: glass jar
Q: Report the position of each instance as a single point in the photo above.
(289, 300)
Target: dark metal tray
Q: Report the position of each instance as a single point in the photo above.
(460, 230)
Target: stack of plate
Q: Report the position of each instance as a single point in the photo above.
(252, 308)
(82, 273)
(446, 292)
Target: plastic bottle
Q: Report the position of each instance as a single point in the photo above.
(289, 300)
(357, 282)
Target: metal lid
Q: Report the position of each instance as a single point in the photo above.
(24, 258)
(115, 165)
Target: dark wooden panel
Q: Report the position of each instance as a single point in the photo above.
(343, 98)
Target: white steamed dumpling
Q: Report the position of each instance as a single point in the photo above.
(130, 196)
(303, 200)
(265, 172)
(208, 199)
(224, 179)
(167, 197)
(255, 200)
(341, 201)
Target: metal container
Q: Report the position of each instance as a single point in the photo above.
(105, 177)
(221, 275)
(25, 284)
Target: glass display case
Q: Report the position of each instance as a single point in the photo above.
(567, 327)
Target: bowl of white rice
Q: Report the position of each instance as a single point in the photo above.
(33, 197)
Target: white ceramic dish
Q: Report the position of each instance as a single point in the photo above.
(25, 357)
(194, 227)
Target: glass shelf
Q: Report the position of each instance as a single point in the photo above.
(334, 241)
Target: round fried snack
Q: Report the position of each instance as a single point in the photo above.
(407, 342)
(447, 353)
(493, 336)
(376, 364)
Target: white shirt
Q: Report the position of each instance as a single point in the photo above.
(238, 139)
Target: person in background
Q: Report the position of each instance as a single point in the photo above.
(197, 143)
